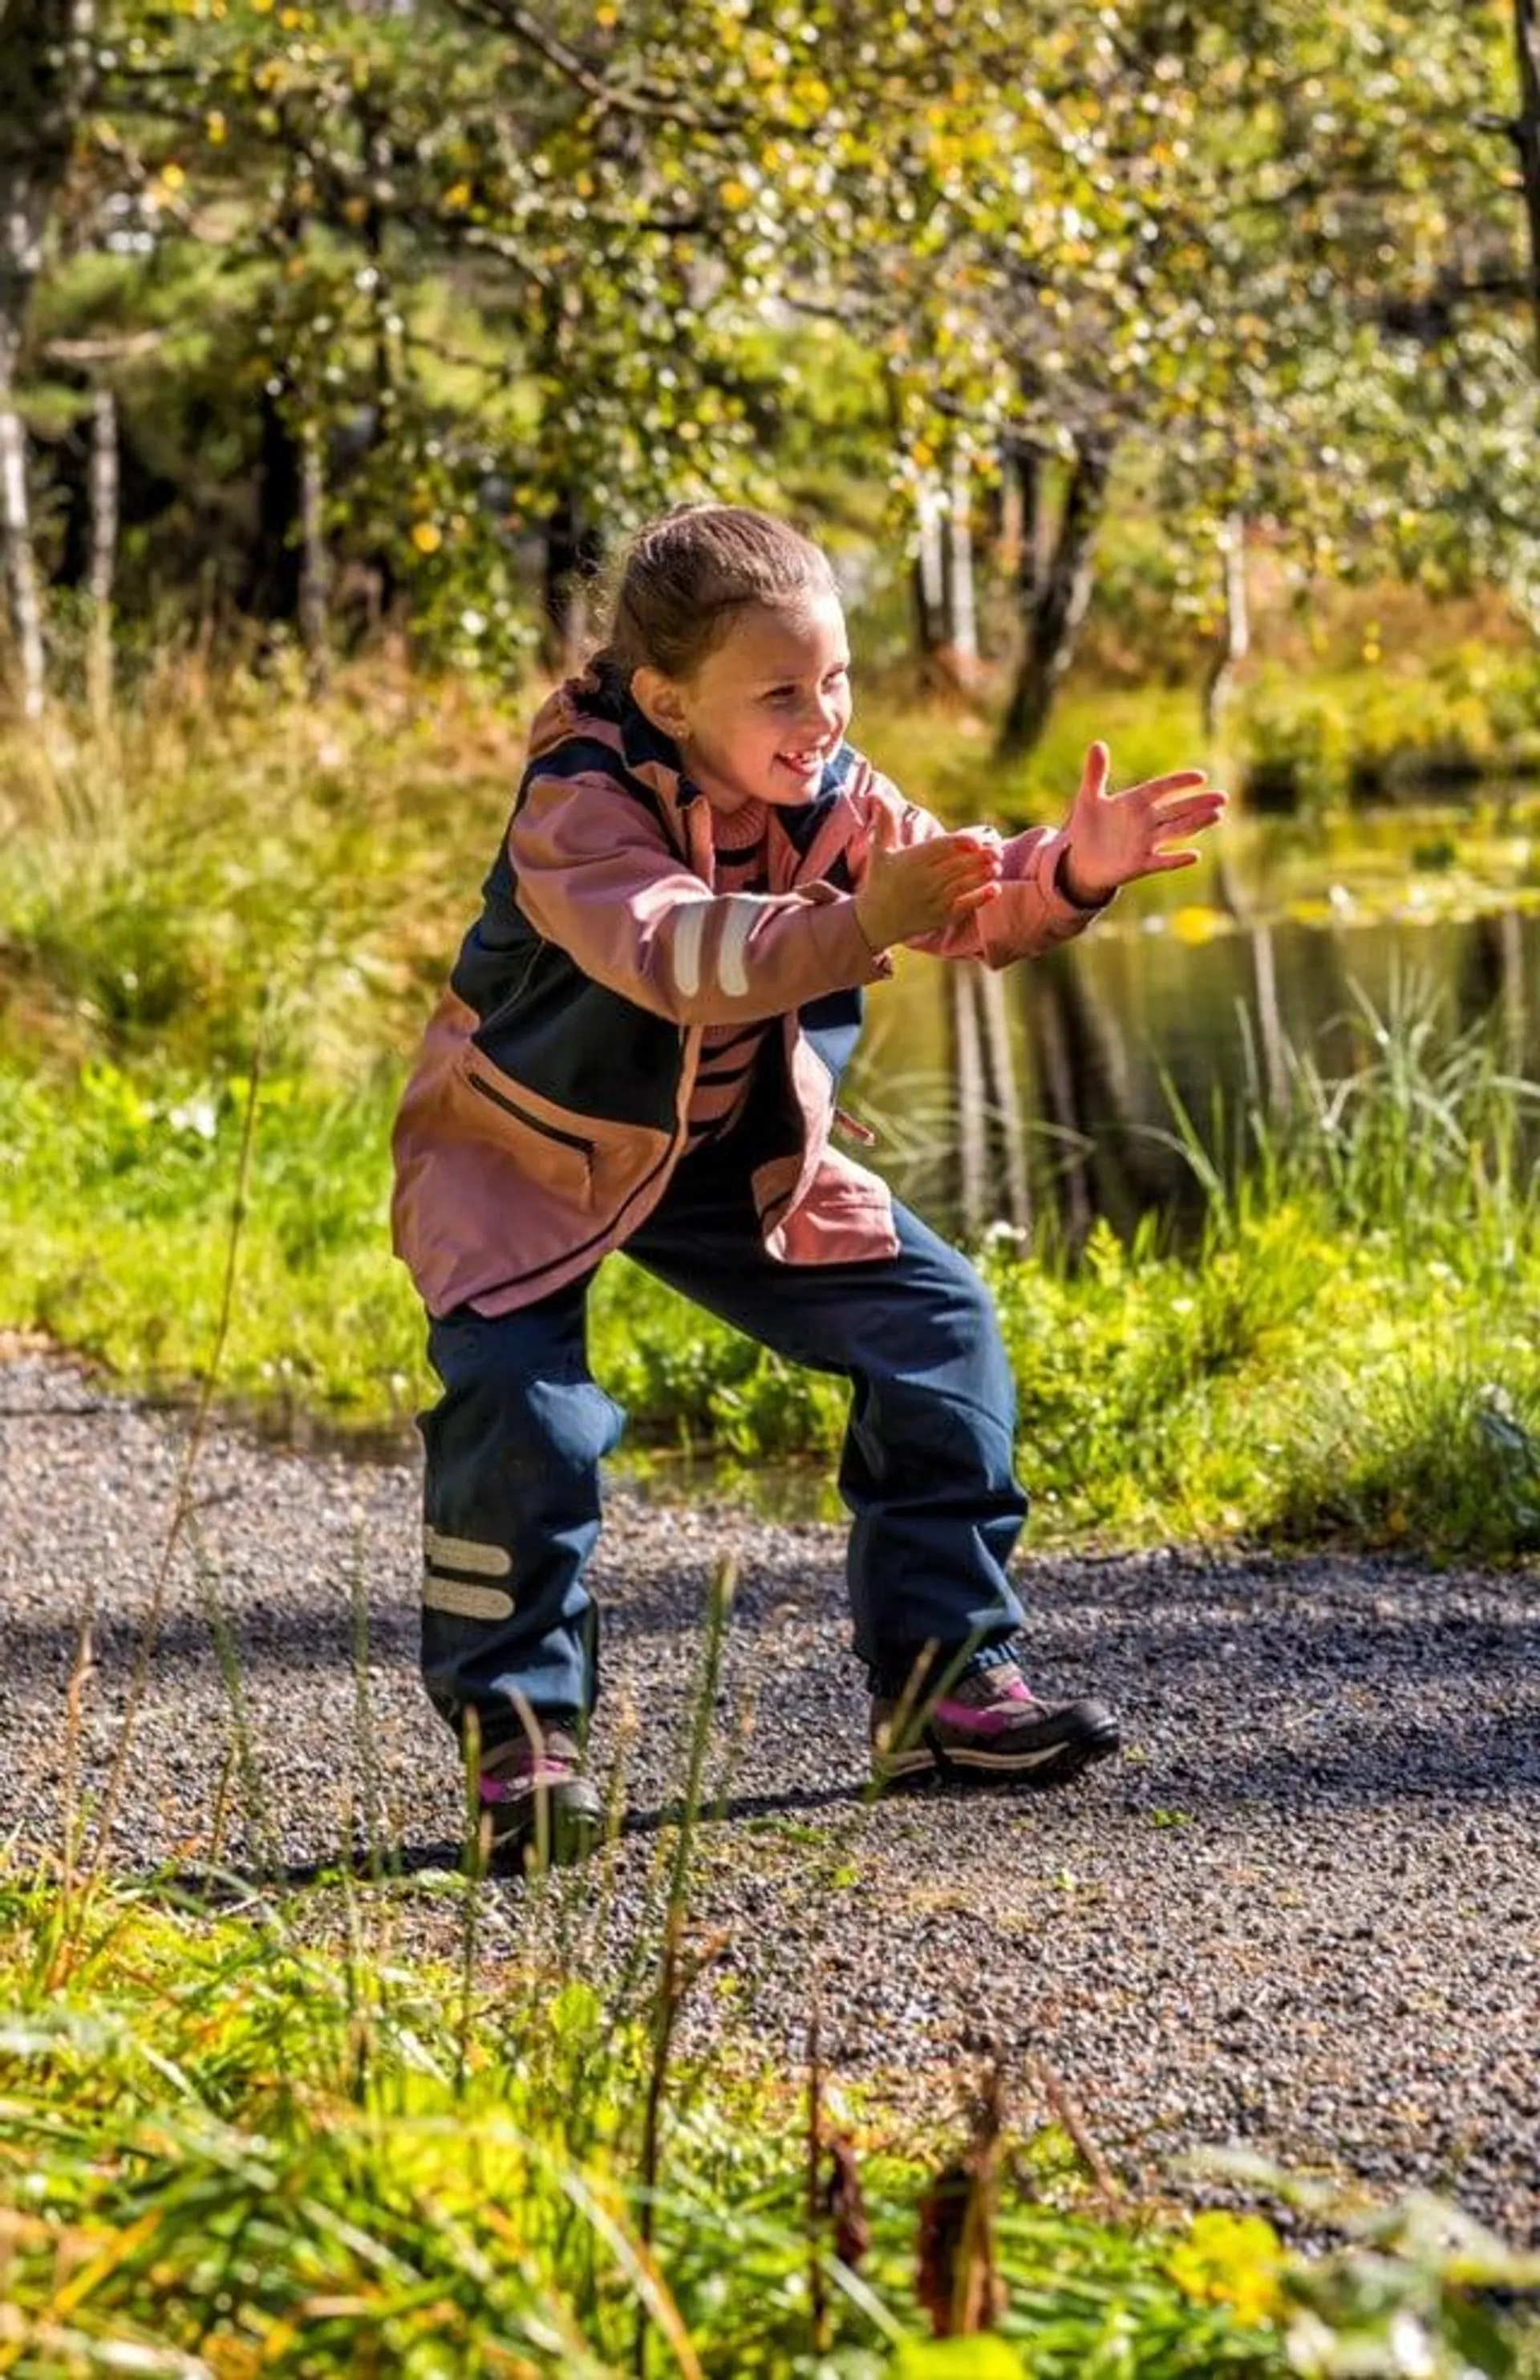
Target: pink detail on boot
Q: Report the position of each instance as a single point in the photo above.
(516, 1784)
(1002, 1709)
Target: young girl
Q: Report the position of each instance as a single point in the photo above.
(641, 1047)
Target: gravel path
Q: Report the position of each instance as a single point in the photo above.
(1300, 1912)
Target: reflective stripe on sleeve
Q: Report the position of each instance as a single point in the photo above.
(689, 932)
(743, 911)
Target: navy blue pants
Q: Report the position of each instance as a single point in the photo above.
(513, 1447)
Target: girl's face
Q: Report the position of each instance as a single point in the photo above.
(766, 708)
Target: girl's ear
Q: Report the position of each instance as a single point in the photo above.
(657, 698)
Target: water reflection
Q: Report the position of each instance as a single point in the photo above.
(1054, 1092)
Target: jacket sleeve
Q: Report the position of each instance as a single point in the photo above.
(1031, 914)
(595, 874)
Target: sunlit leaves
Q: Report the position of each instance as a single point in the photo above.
(1259, 247)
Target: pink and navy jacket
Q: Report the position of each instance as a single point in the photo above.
(548, 1107)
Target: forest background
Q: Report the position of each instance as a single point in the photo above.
(1156, 371)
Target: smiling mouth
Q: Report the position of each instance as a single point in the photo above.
(805, 761)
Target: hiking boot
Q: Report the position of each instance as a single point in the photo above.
(989, 1723)
(536, 1804)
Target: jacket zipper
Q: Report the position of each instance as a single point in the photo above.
(535, 1124)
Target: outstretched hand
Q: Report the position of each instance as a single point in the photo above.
(917, 888)
(1113, 838)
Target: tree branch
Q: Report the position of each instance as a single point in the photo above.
(104, 351)
(507, 17)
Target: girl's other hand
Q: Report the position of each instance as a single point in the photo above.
(1115, 837)
(919, 887)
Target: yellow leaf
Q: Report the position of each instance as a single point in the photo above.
(427, 536)
(737, 195)
(172, 177)
(216, 126)
(458, 195)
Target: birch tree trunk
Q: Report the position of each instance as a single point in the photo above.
(1234, 643)
(102, 562)
(45, 69)
(21, 577)
(315, 572)
(962, 609)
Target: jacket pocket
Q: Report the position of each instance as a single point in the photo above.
(546, 1142)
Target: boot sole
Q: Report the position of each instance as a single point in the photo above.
(1056, 1764)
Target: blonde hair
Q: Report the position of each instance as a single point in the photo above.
(686, 574)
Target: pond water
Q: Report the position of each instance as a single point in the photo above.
(1055, 1087)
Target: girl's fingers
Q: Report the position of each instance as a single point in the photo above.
(963, 866)
(1181, 781)
(960, 850)
(1094, 775)
(1184, 817)
(1211, 801)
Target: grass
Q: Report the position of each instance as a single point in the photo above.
(1350, 1348)
(225, 2151)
